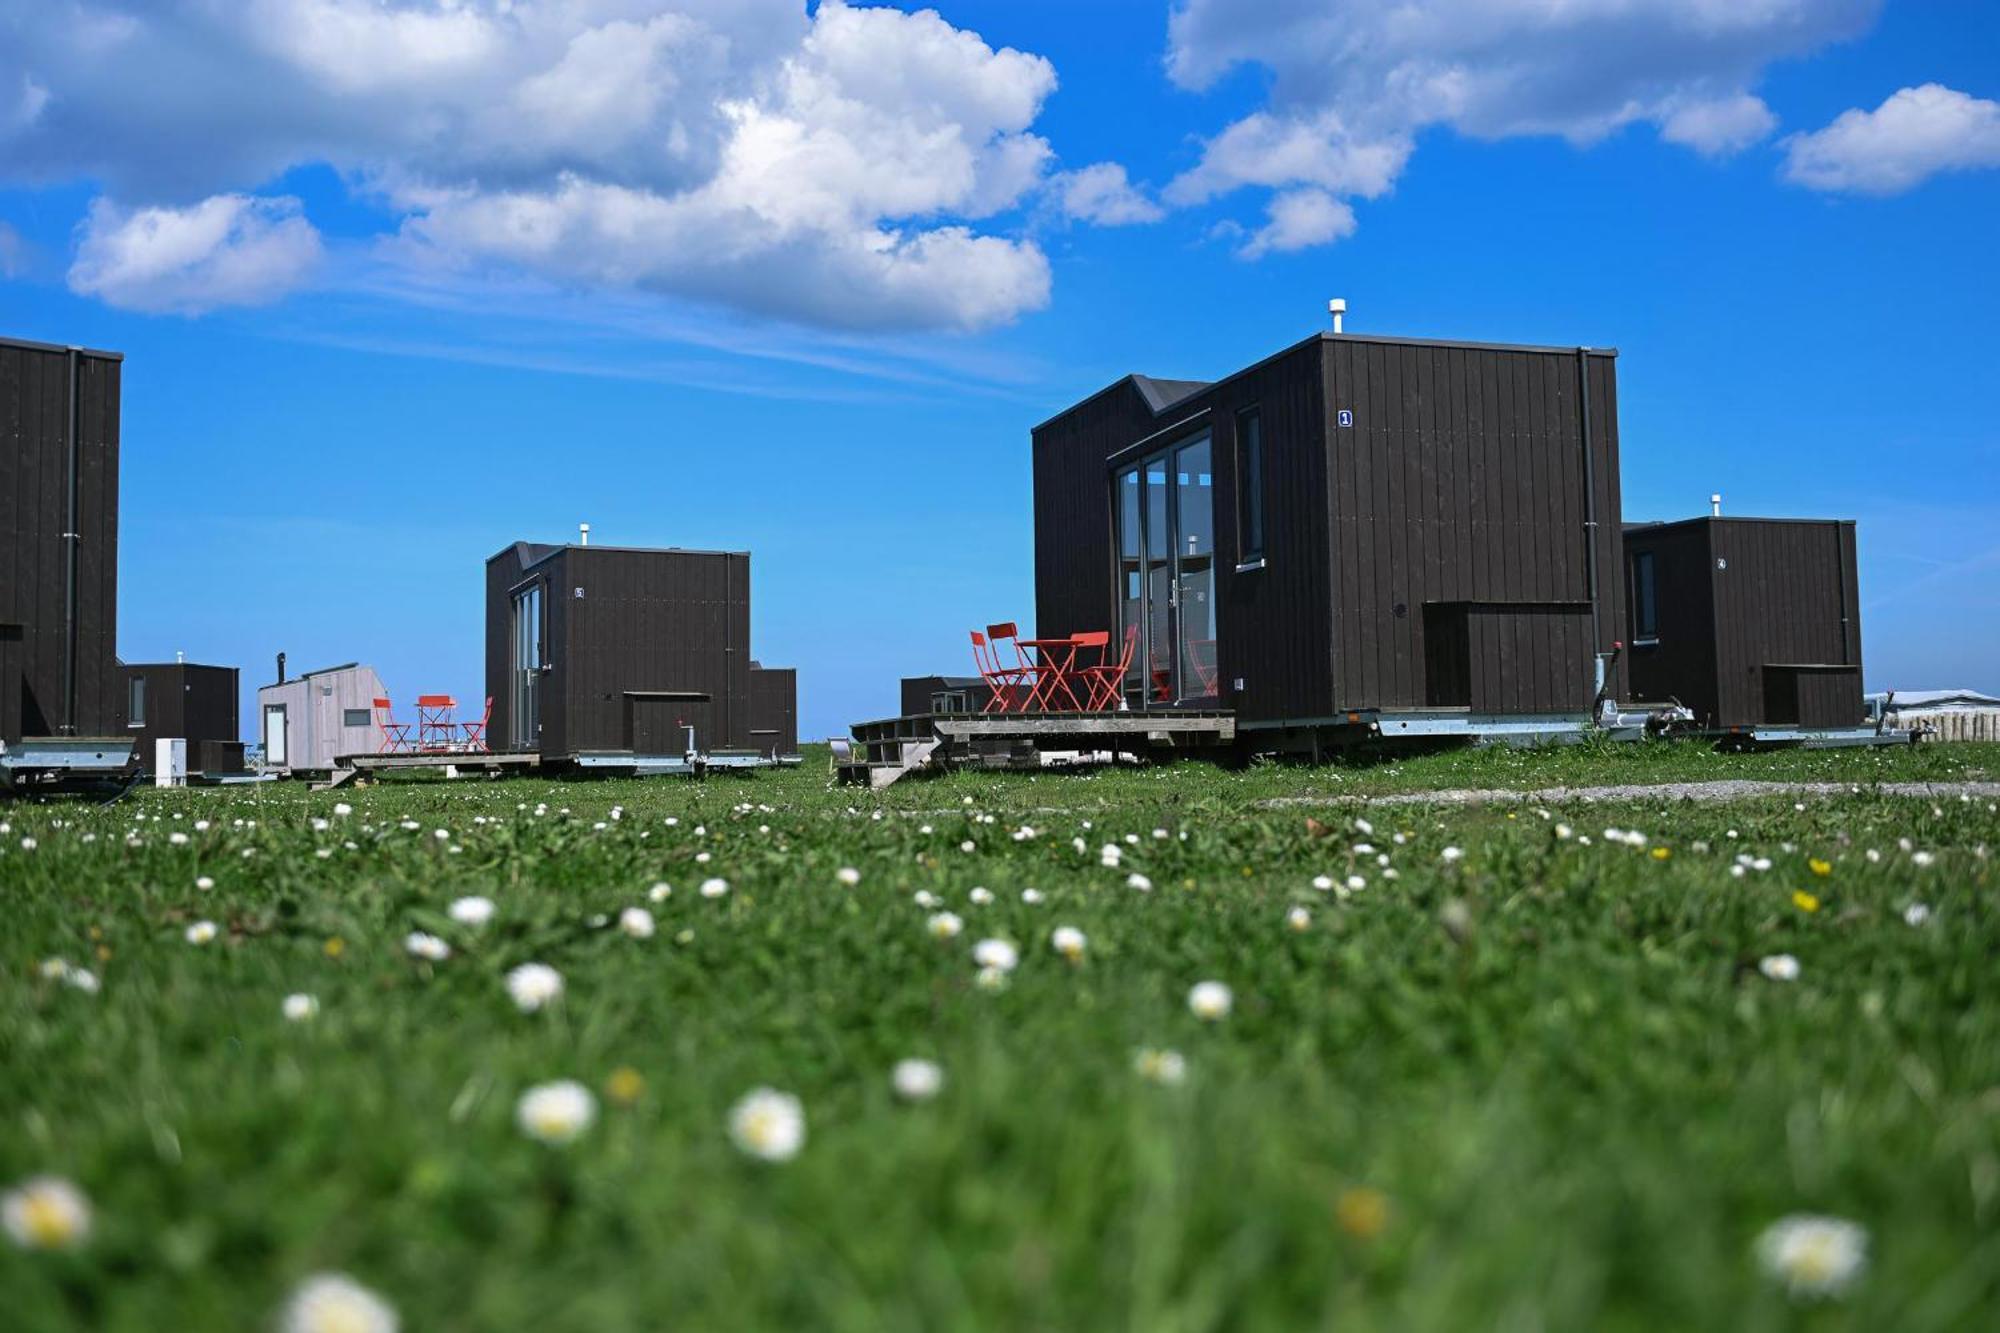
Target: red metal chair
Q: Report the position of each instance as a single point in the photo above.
(1107, 679)
(395, 735)
(1003, 682)
(475, 732)
(1029, 671)
(435, 728)
(1057, 691)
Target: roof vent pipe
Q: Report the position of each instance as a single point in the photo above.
(1715, 505)
(583, 534)
(281, 668)
(1337, 307)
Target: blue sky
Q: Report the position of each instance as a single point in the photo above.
(375, 329)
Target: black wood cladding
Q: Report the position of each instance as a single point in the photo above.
(1461, 480)
(35, 408)
(1759, 620)
(187, 700)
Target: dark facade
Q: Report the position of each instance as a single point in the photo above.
(59, 417)
(198, 704)
(1746, 621)
(944, 694)
(1375, 523)
(617, 648)
(774, 709)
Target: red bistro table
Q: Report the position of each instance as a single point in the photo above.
(436, 729)
(1055, 666)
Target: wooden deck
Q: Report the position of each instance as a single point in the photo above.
(890, 748)
(351, 766)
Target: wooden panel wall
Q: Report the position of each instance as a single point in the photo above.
(1463, 479)
(1788, 595)
(1680, 666)
(34, 509)
(183, 699)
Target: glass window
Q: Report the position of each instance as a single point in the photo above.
(1249, 486)
(527, 666)
(356, 717)
(274, 735)
(1194, 515)
(1130, 541)
(1645, 602)
(135, 712)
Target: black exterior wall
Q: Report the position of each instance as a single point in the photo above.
(1759, 620)
(774, 710)
(1465, 523)
(195, 703)
(640, 646)
(59, 422)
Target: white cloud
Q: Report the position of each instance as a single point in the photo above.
(1102, 194)
(227, 250)
(1912, 136)
(1299, 219)
(1354, 82)
(833, 167)
(1717, 127)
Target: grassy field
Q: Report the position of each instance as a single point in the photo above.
(1522, 1075)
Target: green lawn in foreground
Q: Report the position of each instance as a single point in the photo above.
(1582, 1105)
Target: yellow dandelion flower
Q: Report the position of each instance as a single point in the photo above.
(1662, 853)
(1804, 901)
(624, 1086)
(1820, 867)
(1362, 1212)
(335, 947)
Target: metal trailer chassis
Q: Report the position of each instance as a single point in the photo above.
(58, 763)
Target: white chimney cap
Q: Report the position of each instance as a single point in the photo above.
(583, 533)
(1337, 306)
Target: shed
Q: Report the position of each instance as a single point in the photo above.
(1747, 622)
(198, 704)
(59, 425)
(1947, 715)
(1355, 523)
(627, 649)
(310, 721)
(944, 694)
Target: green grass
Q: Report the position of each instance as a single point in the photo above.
(1582, 1108)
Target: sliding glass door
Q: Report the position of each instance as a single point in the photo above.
(527, 710)
(1166, 574)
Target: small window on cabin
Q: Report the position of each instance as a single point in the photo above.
(1249, 487)
(1645, 601)
(356, 717)
(135, 712)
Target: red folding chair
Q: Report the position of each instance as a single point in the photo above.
(1027, 670)
(1107, 679)
(1001, 681)
(475, 732)
(1058, 691)
(395, 735)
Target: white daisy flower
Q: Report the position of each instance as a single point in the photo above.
(1111, 854)
(1922, 858)
(636, 922)
(999, 954)
(201, 932)
(556, 1112)
(660, 892)
(534, 985)
(1210, 1001)
(714, 888)
(420, 945)
(1322, 882)
(1069, 942)
(46, 1213)
(768, 1124)
(1451, 854)
(343, 809)
(1135, 880)
(1779, 967)
(926, 899)
(1160, 1066)
(916, 1080)
(1031, 896)
(1814, 1256)
(848, 875)
(991, 978)
(81, 978)
(54, 969)
(1299, 919)
(1916, 914)
(944, 925)
(473, 911)
(301, 1008)
(981, 896)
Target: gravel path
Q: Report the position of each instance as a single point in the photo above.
(1724, 790)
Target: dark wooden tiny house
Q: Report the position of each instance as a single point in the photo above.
(59, 419)
(1355, 523)
(1748, 622)
(198, 704)
(604, 648)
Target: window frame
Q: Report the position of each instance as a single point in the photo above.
(1645, 599)
(347, 717)
(135, 701)
(1251, 533)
